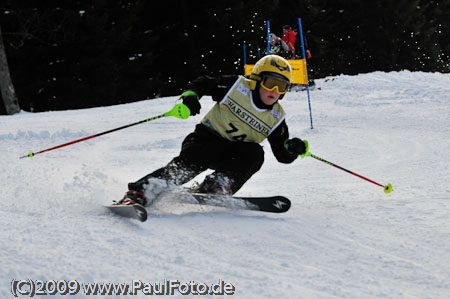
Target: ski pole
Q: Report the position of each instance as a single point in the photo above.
(387, 188)
(180, 111)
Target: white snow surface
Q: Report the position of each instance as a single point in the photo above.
(342, 238)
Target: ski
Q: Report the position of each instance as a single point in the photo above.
(273, 204)
(135, 211)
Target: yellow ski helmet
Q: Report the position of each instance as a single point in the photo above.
(270, 64)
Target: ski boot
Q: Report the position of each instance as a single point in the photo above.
(215, 184)
(132, 197)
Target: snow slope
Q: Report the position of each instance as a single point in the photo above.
(342, 238)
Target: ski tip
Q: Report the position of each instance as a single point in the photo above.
(388, 188)
(282, 204)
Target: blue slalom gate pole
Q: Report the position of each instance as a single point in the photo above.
(245, 54)
(307, 83)
(268, 37)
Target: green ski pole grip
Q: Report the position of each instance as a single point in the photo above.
(179, 111)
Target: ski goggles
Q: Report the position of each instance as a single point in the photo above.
(270, 82)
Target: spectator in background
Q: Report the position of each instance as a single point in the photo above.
(275, 44)
(279, 47)
(298, 46)
(289, 38)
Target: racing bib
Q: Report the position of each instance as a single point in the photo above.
(237, 118)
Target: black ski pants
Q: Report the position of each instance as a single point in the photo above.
(204, 149)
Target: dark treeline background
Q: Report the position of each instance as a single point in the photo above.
(75, 54)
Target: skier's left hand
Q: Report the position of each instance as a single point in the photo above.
(306, 153)
(295, 146)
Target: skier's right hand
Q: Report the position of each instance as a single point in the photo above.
(191, 100)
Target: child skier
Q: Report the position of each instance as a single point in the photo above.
(227, 139)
